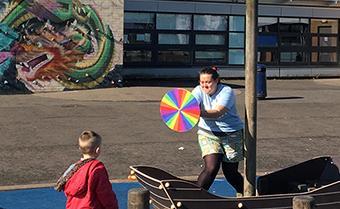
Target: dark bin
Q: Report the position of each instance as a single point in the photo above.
(261, 82)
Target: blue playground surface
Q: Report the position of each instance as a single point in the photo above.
(48, 198)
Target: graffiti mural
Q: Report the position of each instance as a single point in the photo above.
(53, 45)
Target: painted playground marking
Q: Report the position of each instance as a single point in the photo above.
(47, 198)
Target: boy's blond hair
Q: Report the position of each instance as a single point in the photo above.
(89, 141)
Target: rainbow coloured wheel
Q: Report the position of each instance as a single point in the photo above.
(179, 110)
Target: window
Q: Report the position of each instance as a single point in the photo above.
(267, 57)
(296, 57)
(293, 40)
(133, 20)
(236, 23)
(209, 39)
(327, 57)
(315, 41)
(173, 38)
(137, 56)
(268, 40)
(294, 25)
(173, 57)
(165, 39)
(137, 38)
(210, 23)
(173, 22)
(210, 57)
(210, 32)
(236, 40)
(236, 56)
(314, 57)
(138, 35)
(267, 24)
(325, 41)
(265, 40)
(324, 26)
(324, 57)
(293, 31)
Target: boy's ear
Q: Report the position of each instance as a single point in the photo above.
(98, 149)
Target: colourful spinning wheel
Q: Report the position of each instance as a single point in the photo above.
(179, 110)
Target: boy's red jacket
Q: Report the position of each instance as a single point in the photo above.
(89, 188)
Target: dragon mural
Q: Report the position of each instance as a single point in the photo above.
(50, 45)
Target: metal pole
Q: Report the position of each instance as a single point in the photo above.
(250, 99)
(138, 198)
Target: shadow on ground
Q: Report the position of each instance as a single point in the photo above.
(281, 98)
(13, 92)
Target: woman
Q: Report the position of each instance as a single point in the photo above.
(220, 130)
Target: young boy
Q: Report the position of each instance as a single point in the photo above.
(86, 182)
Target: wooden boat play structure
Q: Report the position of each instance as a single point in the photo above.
(318, 178)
